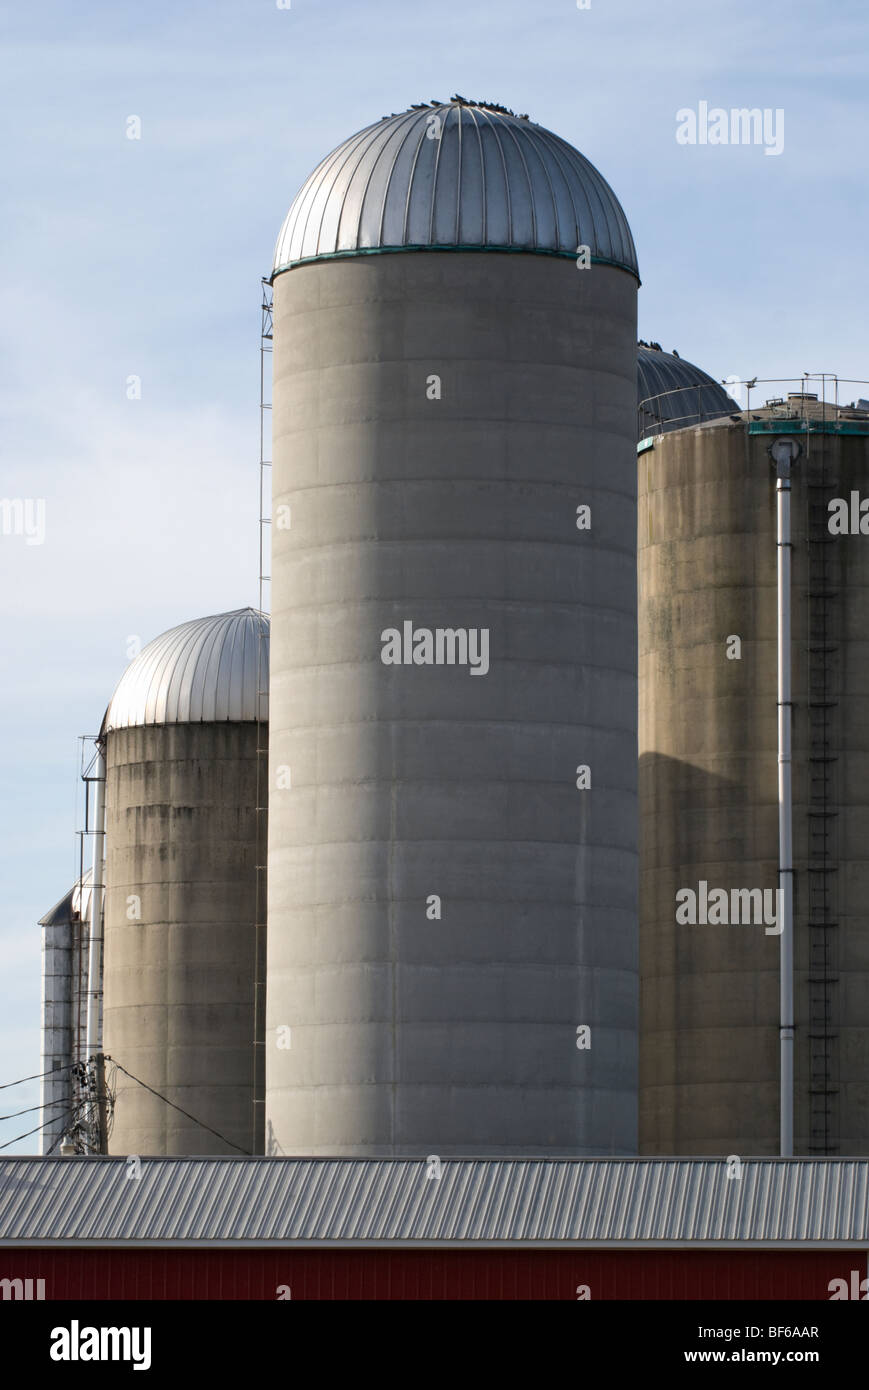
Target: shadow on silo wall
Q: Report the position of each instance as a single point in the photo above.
(179, 935)
(709, 994)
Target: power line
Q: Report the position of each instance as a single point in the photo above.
(79, 1109)
(46, 1105)
(58, 1139)
(29, 1132)
(201, 1124)
(37, 1076)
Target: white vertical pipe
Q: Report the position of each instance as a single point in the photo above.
(95, 984)
(785, 802)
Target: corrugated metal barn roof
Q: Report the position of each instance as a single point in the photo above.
(491, 1202)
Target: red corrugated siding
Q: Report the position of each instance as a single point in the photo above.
(427, 1274)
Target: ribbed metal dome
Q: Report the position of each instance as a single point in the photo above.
(455, 176)
(673, 393)
(205, 671)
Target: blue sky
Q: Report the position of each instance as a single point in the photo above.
(144, 258)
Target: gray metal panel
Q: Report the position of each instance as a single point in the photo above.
(491, 1202)
(200, 672)
(490, 180)
(189, 686)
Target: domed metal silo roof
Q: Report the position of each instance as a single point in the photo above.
(673, 393)
(205, 671)
(455, 176)
(74, 906)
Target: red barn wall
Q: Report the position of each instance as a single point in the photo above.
(228, 1274)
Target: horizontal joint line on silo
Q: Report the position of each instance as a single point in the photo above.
(514, 662)
(483, 360)
(622, 849)
(332, 903)
(578, 731)
(499, 481)
(554, 424)
(490, 1020)
(403, 720)
(483, 898)
(541, 783)
(616, 847)
(482, 421)
(410, 543)
(474, 600)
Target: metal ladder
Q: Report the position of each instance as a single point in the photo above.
(262, 743)
(822, 692)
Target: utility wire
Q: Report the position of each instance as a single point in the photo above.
(29, 1132)
(215, 1132)
(109, 1096)
(46, 1105)
(79, 1108)
(62, 1134)
(37, 1076)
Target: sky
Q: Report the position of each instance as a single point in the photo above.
(142, 258)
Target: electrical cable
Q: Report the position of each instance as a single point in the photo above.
(37, 1130)
(13, 1114)
(37, 1076)
(201, 1124)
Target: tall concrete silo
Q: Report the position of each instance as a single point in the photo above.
(183, 843)
(711, 1011)
(452, 910)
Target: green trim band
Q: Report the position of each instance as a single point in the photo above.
(392, 250)
(808, 427)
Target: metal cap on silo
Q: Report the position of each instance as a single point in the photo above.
(673, 393)
(204, 671)
(456, 175)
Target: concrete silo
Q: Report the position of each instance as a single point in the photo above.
(181, 738)
(711, 1012)
(454, 644)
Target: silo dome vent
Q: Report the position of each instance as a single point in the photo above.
(457, 175)
(210, 670)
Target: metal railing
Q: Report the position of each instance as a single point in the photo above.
(654, 419)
